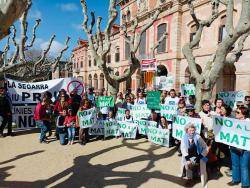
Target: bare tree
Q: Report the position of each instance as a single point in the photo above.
(10, 11)
(226, 52)
(100, 45)
(19, 64)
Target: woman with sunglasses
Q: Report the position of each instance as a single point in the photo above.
(240, 158)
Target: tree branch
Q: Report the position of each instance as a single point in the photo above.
(34, 33)
(229, 18)
(156, 45)
(55, 63)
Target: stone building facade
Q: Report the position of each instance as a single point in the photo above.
(176, 20)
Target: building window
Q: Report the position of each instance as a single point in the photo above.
(128, 16)
(94, 62)
(95, 81)
(222, 29)
(90, 80)
(161, 29)
(124, 18)
(108, 58)
(142, 46)
(127, 49)
(117, 54)
(81, 64)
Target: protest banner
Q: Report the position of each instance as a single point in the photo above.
(159, 136)
(105, 101)
(168, 111)
(25, 96)
(120, 114)
(127, 129)
(232, 132)
(140, 111)
(164, 82)
(179, 124)
(97, 128)
(148, 65)
(143, 126)
(187, 89)
(231, 97)
(87, 118)
(153, 99)
(111, 128)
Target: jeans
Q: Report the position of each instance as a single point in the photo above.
(62, 132)
(71, 133)
(7, 120)
(43, 125)
(240, 166)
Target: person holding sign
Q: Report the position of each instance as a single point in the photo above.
(140, 99)
(172, 99)
(240, 158)
(83, 132)
(194, 151)
(128, 117)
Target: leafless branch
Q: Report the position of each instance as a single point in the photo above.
(156, 45)
(34, 33)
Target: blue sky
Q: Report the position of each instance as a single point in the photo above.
(63, 18)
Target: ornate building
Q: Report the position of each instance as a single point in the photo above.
(176, 20)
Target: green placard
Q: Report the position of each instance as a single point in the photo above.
(153, 99)
(105, 101)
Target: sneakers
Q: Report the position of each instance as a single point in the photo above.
(44, 142)
(11, 134)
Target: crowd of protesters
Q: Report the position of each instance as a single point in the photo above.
(196, 150)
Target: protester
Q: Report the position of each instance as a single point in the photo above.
(218, 105)
(153, 116)
(119, 101)
(130, 94)
(104, 110)
(164, 95)
(181, 110)
(83, 132)
(247, 103)
(70, 122)
(194, 151)
(74, 101)
(190, 111)
(128, 103)
(240, 158)
(61, 104)
(42, 118)
(61, 128)
(90, 95)
(172, 99)
(163, 123)
(128, 117)
(141, 99)
(5, 112)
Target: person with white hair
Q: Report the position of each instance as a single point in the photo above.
(194, 151)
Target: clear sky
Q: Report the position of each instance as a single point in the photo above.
(62, 18)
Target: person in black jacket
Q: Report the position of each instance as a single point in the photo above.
(5, 112)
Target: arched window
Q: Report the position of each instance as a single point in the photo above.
(161, 29)
(89, 58)
(95, 62)
(95, 81)
(142, 46)
(117, 54)
(222, 29)
(127, 49)
(128, 15)
(90, 80)
(108, 58)
(101, 81)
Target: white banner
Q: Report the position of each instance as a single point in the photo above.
(164, 82)
(111, 128)
(26, 95)
(148, 65)
(97, 129)
(87, 118)
(231, 97)
(159, 136)
(143, 126)
(187, 89)
(179, 124)
(127, 129)
(232, 132)
(168, 111)
(140, 111)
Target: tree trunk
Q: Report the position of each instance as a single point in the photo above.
(113, 89)
(198, 96)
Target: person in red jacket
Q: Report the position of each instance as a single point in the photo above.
(61, 104)
(42, 117)
(70, 122)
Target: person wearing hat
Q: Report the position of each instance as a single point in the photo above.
(194, 151)
(190, 111)
(70, 122)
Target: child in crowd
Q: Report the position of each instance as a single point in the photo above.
(61, 129)
(70, 122)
